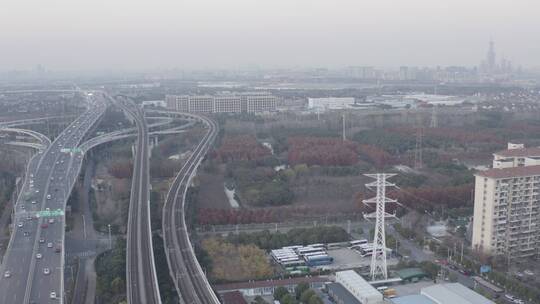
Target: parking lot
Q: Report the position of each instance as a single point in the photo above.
(345, 258)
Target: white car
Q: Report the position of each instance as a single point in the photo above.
(528, 272)
(49, 245)
(53, 295)
(509, 297)
(20, 224)
(38, 256)
(51, 221)
(7, 274)
(46, 271)
(34, 202)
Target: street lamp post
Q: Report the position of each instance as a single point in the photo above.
(110, 239)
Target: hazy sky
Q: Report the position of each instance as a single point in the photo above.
(135, 34)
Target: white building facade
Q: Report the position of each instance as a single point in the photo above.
(507, 205)
(228, 103)
(330, 103)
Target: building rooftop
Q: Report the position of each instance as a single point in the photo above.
(453, 293)
(523, 152)
(413, 299)
(411, 273)
(354, 280)
(342, 294)
(271, 283)
(233, 297)
(511, 172)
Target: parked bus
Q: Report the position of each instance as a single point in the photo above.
(314, 253)
(305, 250)
(358, 242)
(319, 260)
(293, 263)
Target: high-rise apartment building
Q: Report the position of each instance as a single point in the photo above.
(507, 204)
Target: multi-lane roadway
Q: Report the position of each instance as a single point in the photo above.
(188, 277)
(32, 269)
(142, 284)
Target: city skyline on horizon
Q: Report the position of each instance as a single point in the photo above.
(209, 34)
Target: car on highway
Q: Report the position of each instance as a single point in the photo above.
(48, 196)
(38, 256)
(49, 245)
(34, 202)
(42, 240)
(52, 295)
(44, 225)
(7, 274)
(51, 221)
(20, 224)
(46, 271)
(528, 272)
(26, 233)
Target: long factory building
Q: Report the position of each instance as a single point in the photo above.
(258, 102)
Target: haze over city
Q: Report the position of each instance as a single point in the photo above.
(199, 34)
(270, 152)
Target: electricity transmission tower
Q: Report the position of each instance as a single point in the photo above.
(378, 258)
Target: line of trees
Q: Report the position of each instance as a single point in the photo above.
(297, 236)
(302, 294)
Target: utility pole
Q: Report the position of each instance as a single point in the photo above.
(434, 118)
(378, 268)
(110, 238)
(344, 137)
(418, 147)
(461, 258)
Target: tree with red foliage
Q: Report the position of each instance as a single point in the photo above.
(121, 169)
(377, 156)
(430, 198)
(322, 151)
(241, 147)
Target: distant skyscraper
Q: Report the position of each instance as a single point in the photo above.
(491, 65)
